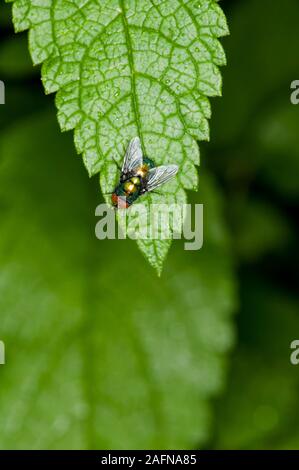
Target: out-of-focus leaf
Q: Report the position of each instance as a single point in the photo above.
(5, 17)
(19, 104)
(278, 148)
(14, 58)
(261, 230)
(260, 407)
(100, 353)
(263, 60)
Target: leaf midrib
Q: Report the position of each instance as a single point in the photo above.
(132, 67)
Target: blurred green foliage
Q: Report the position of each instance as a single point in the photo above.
(260, 410)
(14, 58)
(101, 354)
(254, 152)
(96, 343)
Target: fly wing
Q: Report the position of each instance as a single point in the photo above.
(160, 175)
(133, 157)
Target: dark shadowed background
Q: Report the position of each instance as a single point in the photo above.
(102, 354)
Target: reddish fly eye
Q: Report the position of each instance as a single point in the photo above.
(119, 201)
(114, 199)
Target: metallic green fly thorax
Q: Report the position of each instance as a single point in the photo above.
(139, 175)
(149, 162)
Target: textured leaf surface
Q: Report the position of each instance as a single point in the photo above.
(124, 68)
(100, 353)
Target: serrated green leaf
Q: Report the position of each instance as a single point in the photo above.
(124, 68)
(100, 353)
